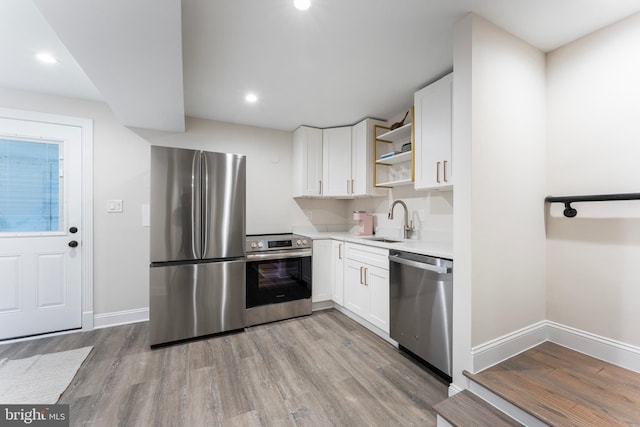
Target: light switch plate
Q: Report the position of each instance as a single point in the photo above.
(114, 206)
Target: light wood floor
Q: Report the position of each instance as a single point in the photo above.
(565, 388)
(318, 370)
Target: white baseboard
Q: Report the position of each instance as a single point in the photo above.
(87, 320)
(106, 320)
(506, 346)
(454, 389)
(612, 351)
(321, 305)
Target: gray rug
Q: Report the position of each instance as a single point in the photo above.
(39, 379)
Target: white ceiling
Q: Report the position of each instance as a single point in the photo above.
(153, 61)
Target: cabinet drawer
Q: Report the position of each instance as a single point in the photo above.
(378, 257)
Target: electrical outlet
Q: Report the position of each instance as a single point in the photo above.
(309, 215)
(422, 215)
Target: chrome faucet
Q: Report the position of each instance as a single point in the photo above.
(408, 227)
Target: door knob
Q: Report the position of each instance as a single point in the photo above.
(73, 244)
(73, 230)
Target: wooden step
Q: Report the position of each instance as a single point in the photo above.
(562, 387)
(465, 409)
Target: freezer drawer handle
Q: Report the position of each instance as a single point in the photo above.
(420, 265)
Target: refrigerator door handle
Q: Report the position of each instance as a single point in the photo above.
(204, 210)
(196, 207)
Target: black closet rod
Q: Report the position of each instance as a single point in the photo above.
(570, 212)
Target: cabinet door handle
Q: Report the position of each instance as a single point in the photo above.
(438, 172)
(320, 192)
(444, 170)
(361, 276)
(365, 276)
(339, 250)
(352, 184)
(347, 186)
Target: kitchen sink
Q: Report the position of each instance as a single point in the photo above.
(384, 240)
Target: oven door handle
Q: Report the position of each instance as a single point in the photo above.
(279, 255)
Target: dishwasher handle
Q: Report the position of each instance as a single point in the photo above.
(416, 264)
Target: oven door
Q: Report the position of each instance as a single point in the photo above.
(278, 276)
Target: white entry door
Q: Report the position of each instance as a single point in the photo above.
(40, 227)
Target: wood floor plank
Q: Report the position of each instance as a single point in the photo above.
(566, 388)
(318, 370)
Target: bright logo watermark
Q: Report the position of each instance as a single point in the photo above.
(34, 415)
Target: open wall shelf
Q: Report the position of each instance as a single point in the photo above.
(397, 167)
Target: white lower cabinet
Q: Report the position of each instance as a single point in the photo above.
(356, 295)
(337, 272)
(366, 283)
(321, 271)
(378, 284)
(353, 276)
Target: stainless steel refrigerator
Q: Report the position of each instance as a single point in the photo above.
(197, 274)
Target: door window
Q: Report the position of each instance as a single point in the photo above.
(30, 186)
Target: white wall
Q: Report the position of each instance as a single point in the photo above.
(319, 214)
(499, 247)
(337, 215)
(436, 206)
(507, 183)
(462, 138)
(593, 148)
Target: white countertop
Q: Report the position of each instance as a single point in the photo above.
(423, 247)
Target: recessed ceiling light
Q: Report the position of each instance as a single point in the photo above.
(46, 58)
(302, 4)
(251, 98)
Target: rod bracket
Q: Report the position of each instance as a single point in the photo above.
(569, 212)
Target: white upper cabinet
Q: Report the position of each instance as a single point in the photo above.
(362, 163)
(336, 162)
(307, 162)
(433, 168)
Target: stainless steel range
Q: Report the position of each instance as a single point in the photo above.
(278, 277)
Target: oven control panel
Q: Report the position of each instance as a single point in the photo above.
(277, 242)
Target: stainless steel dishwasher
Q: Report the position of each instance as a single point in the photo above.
(421, 305)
